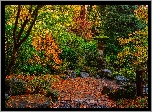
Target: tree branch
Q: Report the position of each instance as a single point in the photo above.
(35, 13)
(16, 22)
(23, 26)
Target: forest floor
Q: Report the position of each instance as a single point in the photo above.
(73, 93)
(87, 91)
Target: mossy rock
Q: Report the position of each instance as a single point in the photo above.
(15, 86)
(105, 90)
(53, 94)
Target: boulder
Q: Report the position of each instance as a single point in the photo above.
(107, 71)
(121, 80)
(71, 73)
(6, 96)
(84, 74)
(105, 90)
(97, 76)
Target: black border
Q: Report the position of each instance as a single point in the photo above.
(3, 3)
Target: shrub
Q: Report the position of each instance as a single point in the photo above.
(35, 69)
(15, 86)
(138, 102)
(53, 94)
(128, 92)
(38, 84)
(77, 71)
(91, 70)
(70, 55)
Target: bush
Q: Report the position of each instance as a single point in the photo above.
(90, 50)
(35, 69)
(53, 94)
(138, 102)
(38, 84)
(77, 71)
(70, 55)
(128, 92)
(92, 71)
(15, 86)
(77, 51)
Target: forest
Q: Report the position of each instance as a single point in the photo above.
(76, 56)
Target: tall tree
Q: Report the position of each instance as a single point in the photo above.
(28, 16)
(118, 21)
(135, 50)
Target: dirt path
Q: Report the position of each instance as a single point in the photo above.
(73, 93)
(85, 92)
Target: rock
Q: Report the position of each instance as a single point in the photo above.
(99, 107)
(71, 73)
(6, 96)
(121, 80)
(107, 71)
(66, 77)
(106, 90)
(104, 106)
(84, 74)
(146, 89)
(97, 76)
(67, 105)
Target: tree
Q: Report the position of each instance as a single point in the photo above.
(27, 17)
(118, 21)
(135, 50)
(81, 27)
(51, 51)
(136, 46)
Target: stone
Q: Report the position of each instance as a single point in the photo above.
(107, 71)
(6, 96)
(146, 89)
(97, 76)
(66, 77)
(121, 80)
(71, 73)
(105, 90)
(84, 74)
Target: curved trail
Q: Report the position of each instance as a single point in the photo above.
(84, 92)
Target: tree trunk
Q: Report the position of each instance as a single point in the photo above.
(13, 59)
(18, 43)
(138, 82)
(83, 12)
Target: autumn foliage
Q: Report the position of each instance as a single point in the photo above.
(82, 27)
(42, 42)
(50, 48)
